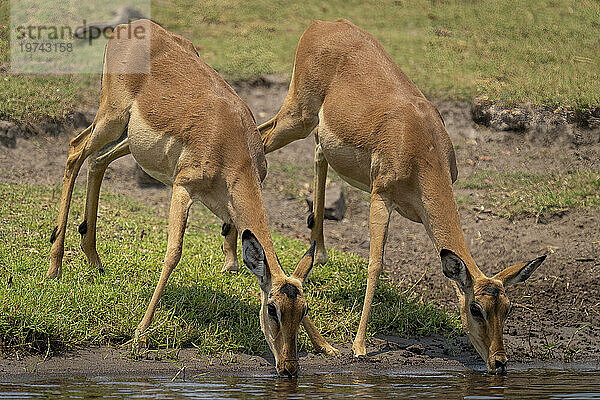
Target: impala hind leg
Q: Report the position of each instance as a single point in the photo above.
(379, 218)
(97, 164)
(230, 235)
(178, 214)
(315, 219)
(87, 142)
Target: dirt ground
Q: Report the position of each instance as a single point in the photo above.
(557, 313)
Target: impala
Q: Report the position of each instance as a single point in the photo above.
(185, 126)
(381, 135)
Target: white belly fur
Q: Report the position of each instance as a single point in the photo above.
(351, 164)
(158, 155)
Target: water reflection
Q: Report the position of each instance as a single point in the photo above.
(285, 388)
(553, 384)
(483, 386)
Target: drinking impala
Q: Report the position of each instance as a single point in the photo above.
(185, 126)
(381, 135)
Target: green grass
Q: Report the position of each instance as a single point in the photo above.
(545, 52)
(200, 307)
(27, 98)
(512, 194)
(42, 97)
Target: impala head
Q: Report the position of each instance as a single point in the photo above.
(283, 302)
(484, 305)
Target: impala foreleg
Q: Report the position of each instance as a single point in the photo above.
(178, 214)
(97, 165)
(318, 212)
(379, 218)
(230, 248)
(319, 343)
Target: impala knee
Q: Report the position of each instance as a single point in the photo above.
(286, 127)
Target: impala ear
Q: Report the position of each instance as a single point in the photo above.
(519, 272)
(306, 263)
(254, 258)
(455, 268)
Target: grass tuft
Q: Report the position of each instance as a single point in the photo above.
(201, 307)
(513, 194)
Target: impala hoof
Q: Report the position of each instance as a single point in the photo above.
(139, 346)
(331, 351)
(359, 350)
(52, 275)
(231, 267)
(321, 257)
(499, 368)
(95, 262)
(54, 271)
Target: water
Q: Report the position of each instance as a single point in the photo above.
(548, 384)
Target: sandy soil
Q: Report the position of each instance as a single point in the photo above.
(558, 310)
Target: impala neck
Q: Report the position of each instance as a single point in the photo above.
(248, 212)
(441, 219)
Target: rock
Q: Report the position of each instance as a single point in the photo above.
(8, 134)
(489, 113)
(145, 180)
(587, 117)
(548, 120)
(335, 202)
(416, 348)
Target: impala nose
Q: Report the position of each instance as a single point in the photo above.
(290, 368)
(500, 367)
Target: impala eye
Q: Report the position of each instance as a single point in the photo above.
(272, 311)
(476, 311)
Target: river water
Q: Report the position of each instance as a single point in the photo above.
(530, 384)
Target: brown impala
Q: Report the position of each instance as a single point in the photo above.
(186, 127)
(381, 135)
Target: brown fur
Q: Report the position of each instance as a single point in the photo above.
(187, 127)
(379, 133)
